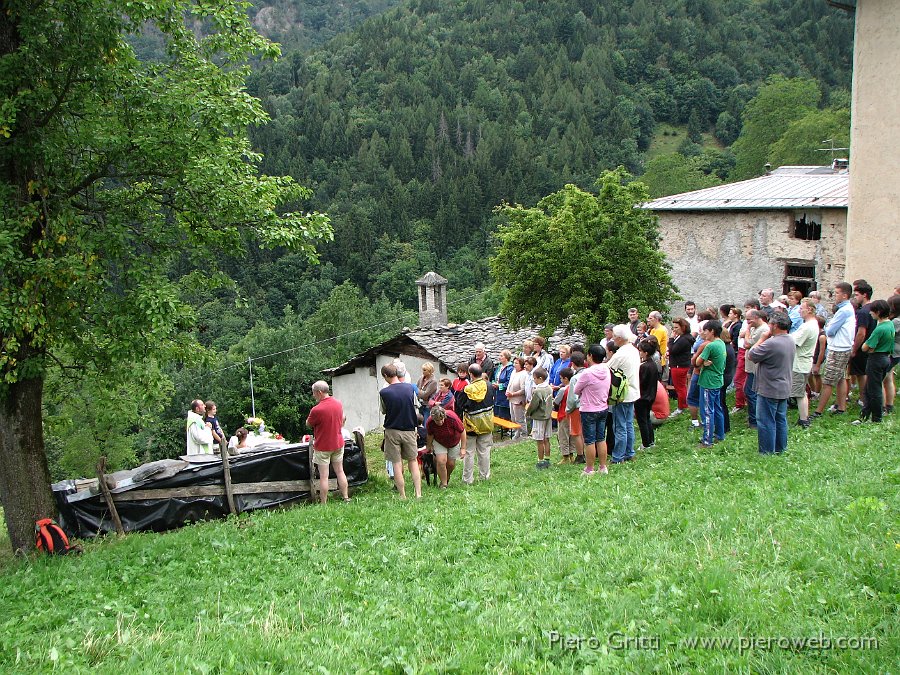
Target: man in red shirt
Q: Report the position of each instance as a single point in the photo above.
(326, 419)
(444, 432)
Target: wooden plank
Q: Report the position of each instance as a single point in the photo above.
(107, 495)
(219, 490)
(505, 424)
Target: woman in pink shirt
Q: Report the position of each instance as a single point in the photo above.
(592, 389)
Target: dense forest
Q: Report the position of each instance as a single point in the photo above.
(415, 125)
(412, 125)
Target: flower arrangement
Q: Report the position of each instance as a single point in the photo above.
(255, 425)
(258, 426)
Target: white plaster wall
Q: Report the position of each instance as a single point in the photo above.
(873, 234)
(728, 256)
(358, 391)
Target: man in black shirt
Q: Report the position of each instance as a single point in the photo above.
(398, 403)
(865, 324)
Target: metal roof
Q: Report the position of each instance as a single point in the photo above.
(787, 187)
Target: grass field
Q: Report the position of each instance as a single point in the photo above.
(668, 138)
(681, 544)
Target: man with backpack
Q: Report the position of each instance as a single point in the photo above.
(627, 361)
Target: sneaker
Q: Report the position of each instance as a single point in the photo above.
(566, 459)
(857, 422)
(647, 447)
(735, 410)
(579, 459)
(695, 424)
(543, 464)
(888, 410)
(832, 408)
(815, 415)
(603, 470)
(587, 472)
(675, 413)
(703, 445)
(804, 424)
(838, 412)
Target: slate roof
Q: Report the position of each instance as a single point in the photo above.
(456, 342)
(787, 187)
(431, 279)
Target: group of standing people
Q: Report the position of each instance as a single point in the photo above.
(782, 353)
(776, 353)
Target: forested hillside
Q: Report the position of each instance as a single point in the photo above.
(413, 126)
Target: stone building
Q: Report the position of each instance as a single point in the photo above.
(785, 229)
(357, 381)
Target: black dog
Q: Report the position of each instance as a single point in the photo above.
(429, 469)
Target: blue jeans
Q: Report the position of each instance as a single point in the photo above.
(772, 426)
(751, 398)
(713, 415)
(623, 422)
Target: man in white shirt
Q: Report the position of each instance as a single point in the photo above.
(840, 332)
(805, 337)
(198, 433)
(690, 313)
(628, 360)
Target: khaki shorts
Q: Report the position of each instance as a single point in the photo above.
(541, 430)
(835, 367)
(323, 458)
(798, 384)
(452, 453)
(400, 445)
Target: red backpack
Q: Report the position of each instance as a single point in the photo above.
(51, 539)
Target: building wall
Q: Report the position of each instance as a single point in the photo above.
(728, 256)
(358, 391)
(873, 247)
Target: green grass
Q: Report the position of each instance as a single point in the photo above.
(682, 543)
(667, 138)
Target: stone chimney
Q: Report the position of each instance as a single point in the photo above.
(432, 300)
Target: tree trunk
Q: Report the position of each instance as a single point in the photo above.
(24, 475)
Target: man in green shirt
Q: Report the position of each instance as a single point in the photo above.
(879, 346)
(712, 376)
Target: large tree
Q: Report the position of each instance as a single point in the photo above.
(112, 169)
(582, 259)
(767, 117)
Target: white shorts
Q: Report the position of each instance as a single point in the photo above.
(541, 430)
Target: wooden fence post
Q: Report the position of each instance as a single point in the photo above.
(226, 470)
(107, 495)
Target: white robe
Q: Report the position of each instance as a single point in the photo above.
(199, 437)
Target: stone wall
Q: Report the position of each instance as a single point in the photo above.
(728, 256)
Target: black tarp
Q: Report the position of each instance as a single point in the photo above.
(90, 517)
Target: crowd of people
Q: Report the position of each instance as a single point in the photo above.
(774, 353)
